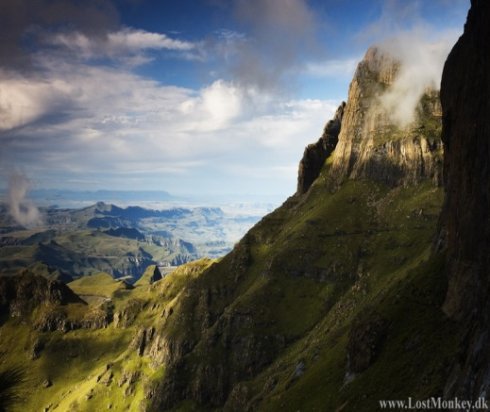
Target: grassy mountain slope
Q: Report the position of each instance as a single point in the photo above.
(283, 309)
(152, 274)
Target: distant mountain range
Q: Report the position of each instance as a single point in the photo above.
(101, 194)
(120, 241)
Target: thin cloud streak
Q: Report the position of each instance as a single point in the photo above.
(124, 43)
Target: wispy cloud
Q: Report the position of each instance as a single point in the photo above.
(395, 16)
(74, 109)
(26, 99)
(400, 16)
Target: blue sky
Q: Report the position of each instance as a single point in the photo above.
(191, 97)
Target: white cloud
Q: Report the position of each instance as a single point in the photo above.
(79, 120)
(419, 35)
(214, 107)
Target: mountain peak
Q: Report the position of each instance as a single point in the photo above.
(378, 63)
(366, 141)
(374, 145)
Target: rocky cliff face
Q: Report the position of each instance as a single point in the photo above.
(465, 95)
(315, 154)
(370, 145)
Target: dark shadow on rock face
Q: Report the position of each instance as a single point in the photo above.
(465, 97)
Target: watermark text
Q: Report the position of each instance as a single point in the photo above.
(435, 404)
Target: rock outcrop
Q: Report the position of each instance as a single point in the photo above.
(315, 154)
(370, 145)
(19, 295)
(126, 315)
(151, 275)
(465, 95)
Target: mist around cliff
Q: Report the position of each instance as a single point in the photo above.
(422, 59)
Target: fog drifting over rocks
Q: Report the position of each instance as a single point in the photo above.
(422, 60)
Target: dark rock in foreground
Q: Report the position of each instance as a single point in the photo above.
(465, 96)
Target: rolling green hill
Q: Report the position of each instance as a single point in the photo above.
(100, 284)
